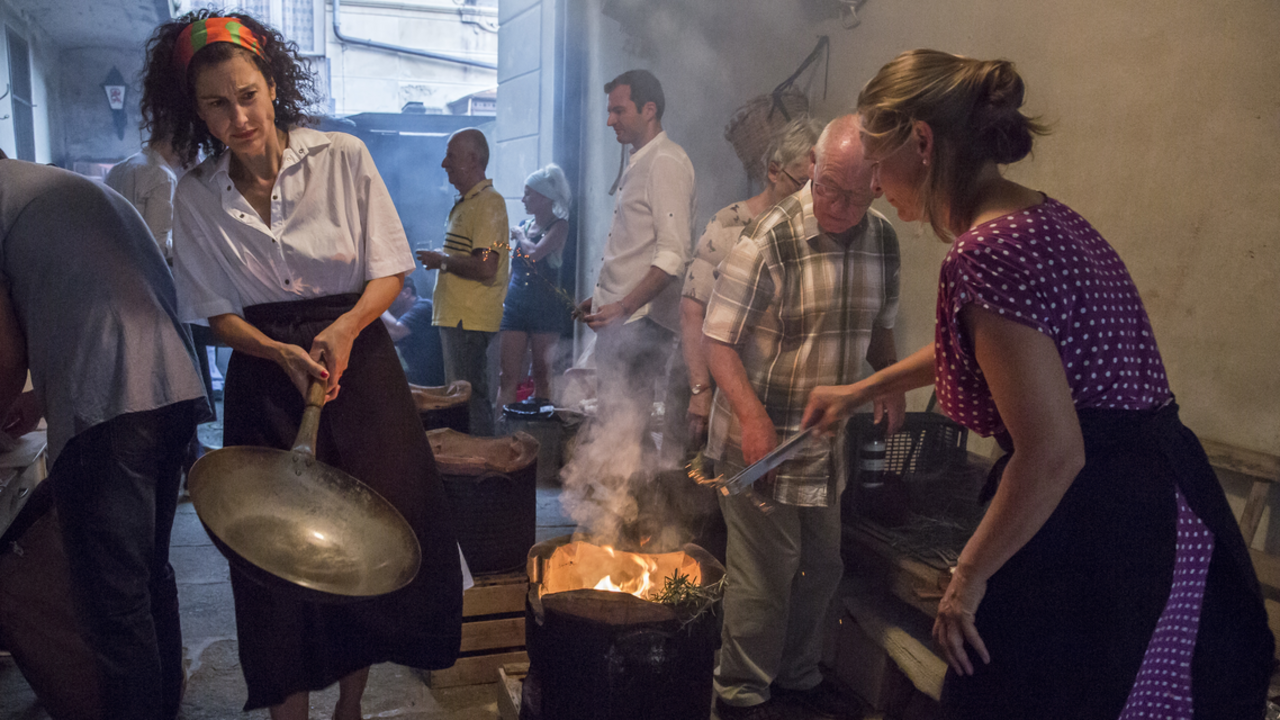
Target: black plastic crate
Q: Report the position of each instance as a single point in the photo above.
(927, 446)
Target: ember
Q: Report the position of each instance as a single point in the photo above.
(581, 565)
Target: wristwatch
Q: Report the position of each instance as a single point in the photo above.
(699, 388)
(444, 265)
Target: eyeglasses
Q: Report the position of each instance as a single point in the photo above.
(832, 194)
(792, 178)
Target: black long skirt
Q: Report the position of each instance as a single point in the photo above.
(371, 431)
(1068, 618)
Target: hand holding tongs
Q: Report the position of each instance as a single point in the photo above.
(753, 472)
(741, 483)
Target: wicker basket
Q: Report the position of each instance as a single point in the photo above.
(927, 446)
(753, 126)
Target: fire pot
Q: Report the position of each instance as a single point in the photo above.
(597, 654)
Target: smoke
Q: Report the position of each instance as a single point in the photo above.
(616, 485)
(711, 56)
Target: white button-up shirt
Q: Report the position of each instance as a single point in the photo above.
(652, 227)
(333, 228)
(146, 181)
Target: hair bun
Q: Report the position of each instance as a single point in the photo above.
(998, 121)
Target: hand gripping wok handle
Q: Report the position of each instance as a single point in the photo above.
(306, 440)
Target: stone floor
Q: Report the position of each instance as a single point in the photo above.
(216, 689)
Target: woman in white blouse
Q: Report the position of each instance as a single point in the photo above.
(286, 241)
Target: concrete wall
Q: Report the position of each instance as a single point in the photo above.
(368, 80)
(1165, 119)
(88, 131)
(524, 131)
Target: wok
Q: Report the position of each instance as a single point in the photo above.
(297, 525)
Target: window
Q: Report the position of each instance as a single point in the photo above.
(301, 21)
(20, 94)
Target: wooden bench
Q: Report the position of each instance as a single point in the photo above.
(1263, 469)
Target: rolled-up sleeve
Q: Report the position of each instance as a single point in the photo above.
(157, 211)
(204, 289)
(671, 197)
(386, 246)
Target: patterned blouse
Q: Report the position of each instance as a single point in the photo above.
(1048, 268)
(717, 240)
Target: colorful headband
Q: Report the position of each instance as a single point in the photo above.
(201, 33)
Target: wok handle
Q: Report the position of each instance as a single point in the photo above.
(306, 440)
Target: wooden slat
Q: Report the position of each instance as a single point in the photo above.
(1259, 465)
(489, 634)
(475, 670)
(496, 594)
(913, 657)
(915, 582)
(1263, 468)
(1253, 507)
(510, 687)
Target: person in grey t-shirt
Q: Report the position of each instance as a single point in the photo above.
(88, 306)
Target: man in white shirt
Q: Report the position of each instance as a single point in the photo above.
(147, 180)
(635, 307)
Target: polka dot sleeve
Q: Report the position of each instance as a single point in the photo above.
(1048, 268)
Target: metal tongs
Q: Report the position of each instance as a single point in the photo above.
(747, 477)
(740, 484)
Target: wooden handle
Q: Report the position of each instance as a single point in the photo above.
(310, 424)
(315, 392)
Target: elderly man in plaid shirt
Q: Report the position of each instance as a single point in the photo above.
(809, 291)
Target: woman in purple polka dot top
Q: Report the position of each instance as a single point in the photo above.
(1108, 578)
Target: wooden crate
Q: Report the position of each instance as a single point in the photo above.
(510, 688)
(492, 631)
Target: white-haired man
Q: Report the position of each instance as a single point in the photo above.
(808, 293)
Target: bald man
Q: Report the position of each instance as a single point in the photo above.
(473, 272)
(808, 293)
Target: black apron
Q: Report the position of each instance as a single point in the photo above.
(371, 431)
(1068, 618)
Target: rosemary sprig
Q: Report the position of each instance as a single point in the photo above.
(687, 597)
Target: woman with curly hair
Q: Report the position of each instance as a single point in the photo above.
(287, 242)
(1108, 577)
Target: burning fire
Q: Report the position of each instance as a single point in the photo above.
(635, 573)
(581, 565)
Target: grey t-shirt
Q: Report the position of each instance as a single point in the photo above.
(94, 298)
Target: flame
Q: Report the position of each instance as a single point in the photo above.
(581, 565)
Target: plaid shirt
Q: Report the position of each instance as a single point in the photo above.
(799, 306)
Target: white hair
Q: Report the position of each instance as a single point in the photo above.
(551, 183)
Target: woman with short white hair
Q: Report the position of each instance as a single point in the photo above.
(534, 311)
